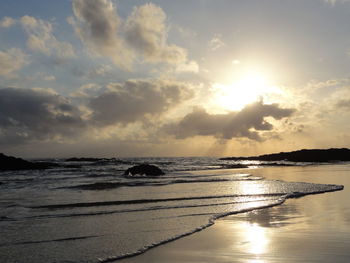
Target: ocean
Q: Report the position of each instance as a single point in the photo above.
(91, 212)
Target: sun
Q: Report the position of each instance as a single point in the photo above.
(251, 87)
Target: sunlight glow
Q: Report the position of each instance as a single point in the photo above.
(237, 94)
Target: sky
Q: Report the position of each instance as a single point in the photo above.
(117, 78)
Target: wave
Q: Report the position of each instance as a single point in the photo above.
(153, 208)
(211, 221)
(144, 201)
(112, 185)
(47, 241)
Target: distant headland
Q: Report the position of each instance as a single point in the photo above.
(304, 155)
(12, 163)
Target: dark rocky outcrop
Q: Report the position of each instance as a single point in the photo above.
(277, 164)
(305, 155)
(234, 166)
(12, 163)
(144, 169)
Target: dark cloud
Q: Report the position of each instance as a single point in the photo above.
(134, 100)
(246, 123)
(43, 115)
(36, 114)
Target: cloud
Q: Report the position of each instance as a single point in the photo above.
(49, 78)
(12, 60)
(331, 94)
(344, 104)
(41, 38)
(7, 22)
(246, 123)
(216, 43)
(86, 91)
(36, 114)
(333, 2)
(190, 66)
(136, 100)
(102, 70)
(142, 38)
(97, 25)
(146, 32)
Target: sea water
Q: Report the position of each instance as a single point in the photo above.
(91, 212)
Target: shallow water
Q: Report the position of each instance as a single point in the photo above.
(95, 214)
(314, 228)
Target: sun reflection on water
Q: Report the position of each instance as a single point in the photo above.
(256, 261)
(255, 242)
(256, 239)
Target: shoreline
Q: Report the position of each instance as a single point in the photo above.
(271, 234)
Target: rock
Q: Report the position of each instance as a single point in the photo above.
(144, 169)
(234, 166)
(12, 163)
(304, 155)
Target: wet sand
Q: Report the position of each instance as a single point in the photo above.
(313, 228)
